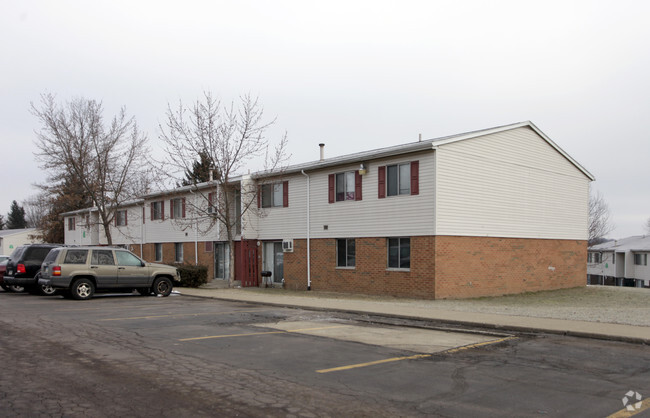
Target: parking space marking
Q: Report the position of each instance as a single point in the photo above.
(260, 333)
(414, 357)
(180, 314)
(372, 363)
(645, 404)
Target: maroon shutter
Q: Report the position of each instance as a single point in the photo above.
(285, 194)
(357, 185)
(162, 210)
(143, 213)
(171, 208)
(115, 218)
(381, 172)
(332, 194)
(259, 196)
(151, 207)
(126, 217)
(415, 177)
(183, 207)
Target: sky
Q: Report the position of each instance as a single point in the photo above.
(355, 75)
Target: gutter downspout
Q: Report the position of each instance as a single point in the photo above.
(142, 233)
(196, 234)
(308, 236)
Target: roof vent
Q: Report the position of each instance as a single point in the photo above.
(322, 151)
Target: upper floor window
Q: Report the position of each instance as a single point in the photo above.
(344, 186)
(399, 179)
(399, 253)
(273, 195)
(120, 218)
(157, 210)
(71, 224)
(594, 258)
(177, 208)
(641, 259)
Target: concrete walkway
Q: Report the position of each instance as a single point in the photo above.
(416, 310)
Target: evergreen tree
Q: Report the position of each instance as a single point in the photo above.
(16, 217)
(2, 222)
(200, 170)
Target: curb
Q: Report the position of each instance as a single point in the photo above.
(482, 325)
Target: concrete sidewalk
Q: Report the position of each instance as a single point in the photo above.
(419, 311)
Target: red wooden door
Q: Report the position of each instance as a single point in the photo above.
(249, 270)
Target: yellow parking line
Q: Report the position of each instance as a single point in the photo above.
(418, 356)
(467, 347)
(259, 333)
(625, 413)
(179, 315)
(372, 363)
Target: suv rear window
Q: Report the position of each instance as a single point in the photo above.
(76, 257)
(36, 254)
(52, 256)
(15, 255)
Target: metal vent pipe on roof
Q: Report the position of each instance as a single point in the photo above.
(322, 151)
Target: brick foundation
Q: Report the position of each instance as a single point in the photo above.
(443, 267)
(169, 255)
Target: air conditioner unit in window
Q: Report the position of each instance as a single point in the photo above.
(287, 246)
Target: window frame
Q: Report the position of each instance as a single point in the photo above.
(400, 245)
(177, 208)
(178, 255)
(158, 210)
(347, 242)
(273, 195)
(642, 259)
(398, 179)
(119, 219)
(72, 224)
(158, 247)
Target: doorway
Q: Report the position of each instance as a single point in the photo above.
(274, 260)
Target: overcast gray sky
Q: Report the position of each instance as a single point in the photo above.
(356, 75)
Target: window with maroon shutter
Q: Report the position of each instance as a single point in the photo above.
(381, 172)
(347, 186)
(120, 218)
(399, 179)
(415, 177)
(331, 190)
(177, 208)
(274, 195)
(158, 210)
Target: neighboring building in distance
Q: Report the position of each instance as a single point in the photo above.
(620, 262)
(491, 212)
(12, 238)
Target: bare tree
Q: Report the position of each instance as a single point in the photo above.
(228, 137)
(600, 223)
(647, 226)
(107, 159)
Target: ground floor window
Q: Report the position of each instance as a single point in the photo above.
(158, 250)
(399, 253)
(345, 252)
(179, 252)
(221, 257)
(273, 260)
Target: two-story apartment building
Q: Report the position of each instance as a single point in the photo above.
(620, 262)
(496, 211)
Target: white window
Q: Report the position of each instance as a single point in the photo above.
(71, 224)
(120, 218)
(157, 210)
(398, 179)
(177, 208)
(158, 249)
(179, 252)
(399, 253)
(345, 253)
(272, 195)
(641, 259)
(345, 186)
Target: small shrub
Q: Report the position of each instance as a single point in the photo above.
(193, 276)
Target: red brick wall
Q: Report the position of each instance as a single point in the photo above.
(443, 267)
(169, 254)
(480, 266)
(370, 276)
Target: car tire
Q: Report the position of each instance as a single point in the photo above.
(82, 289)
(16, 289)
(5, 287)
(162, 286)
(144, 291)
(44, 290)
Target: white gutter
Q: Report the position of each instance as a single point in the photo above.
(308, 236)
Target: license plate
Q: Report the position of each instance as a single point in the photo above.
(9, 272)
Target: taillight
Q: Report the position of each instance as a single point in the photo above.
(20, 268)
(56, 271)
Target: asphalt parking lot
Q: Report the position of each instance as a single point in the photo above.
(184, 356)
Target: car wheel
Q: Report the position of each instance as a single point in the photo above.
(162, 286)
(4, 287)
(144, 291)
(16, 289)
(82, 289)
(44, 290)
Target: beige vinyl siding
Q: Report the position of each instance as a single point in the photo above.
(370, 217)
(280, 222)
(510, 184)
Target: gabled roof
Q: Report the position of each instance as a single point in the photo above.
(429, 144)
(635, 243)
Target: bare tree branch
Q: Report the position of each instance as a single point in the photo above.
(600, 223)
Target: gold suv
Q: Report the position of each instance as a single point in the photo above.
(80, 271)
